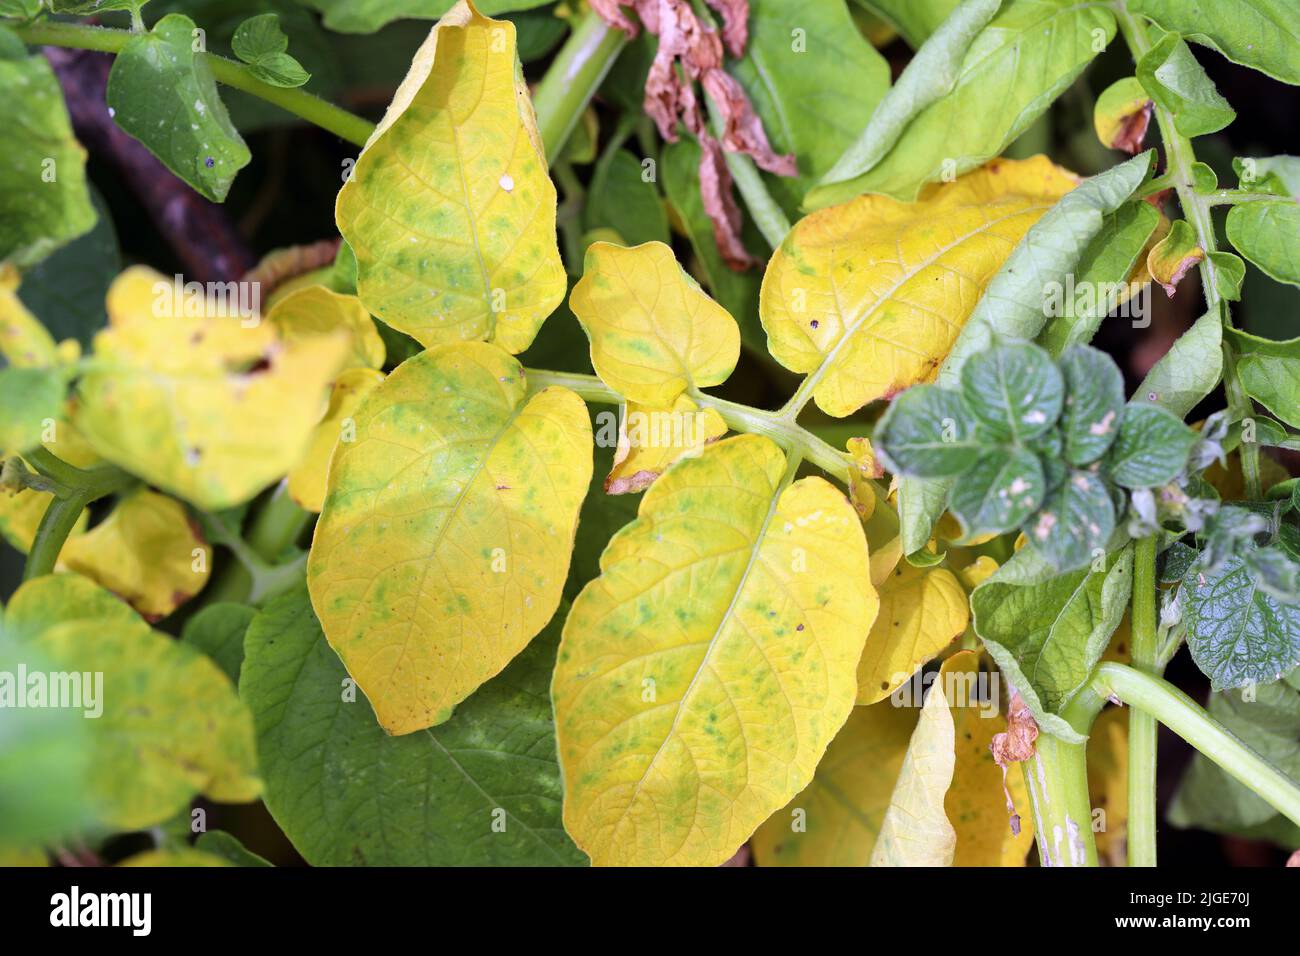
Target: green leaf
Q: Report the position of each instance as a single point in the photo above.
(1102, 280)
(1075, 522)
(1170, 73)
(1094, 405)
(367, 16)
(260, 43)
(1189, 371)
(622, 199)
(915, 20)
(1257, 33)
(168, 713)
(1270, 373)
(1151, 448)
(20, 10)
(68, 289)
(930, 76)
(1015, 391)
(1279, 175)
(1018, 64)
(1012, 304)
(927, 432)
(1229, 274)
(44, 202)
(163, 93)
(1238, 633)
(221, 844)
(1268, 721)
(44, 752)
(1004, 487)
(481, 789)
(1047, 631)
(218, 631)
(1268, 233)
(813, 80)
(427, 588)
(30, 397)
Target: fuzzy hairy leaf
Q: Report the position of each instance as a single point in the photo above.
(1188, 371)
(1015, 391)
(1151, 448)
(870, 296)
(449, 209)
(1095, 404)
(703, 674)
(1270, 373)
(1046, 631)
(1262, 34)
(447, 528)
(1171, 75)
(443, 790)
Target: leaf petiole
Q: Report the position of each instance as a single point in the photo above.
(73, 489)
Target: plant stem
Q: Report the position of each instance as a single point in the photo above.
(573, 78)
(770, 218)
(326, 115)
(1057, 779)
(1188, 720)
(277, 525)
(1142, 726)
(73, 488)
(790, 436)
(1179, 158)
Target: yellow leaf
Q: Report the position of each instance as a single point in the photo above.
(922, 611)
(864, 468)
(654, 332)
(975, 803)
(24, 342)
(315, 310)
(144, 551)
(1171, 257)
(447, 528)
(703, 674)
(869, 296)
(835, 819)
(307, 478)
(916, 831)
(649, 440)
(450, 210)
(204, 406)
(24, 856)
(167, 712)
(1108, 783)
(977, 572)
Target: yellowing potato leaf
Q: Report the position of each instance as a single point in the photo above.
(654, 332)
(307, 478)
(166, 711)
(868, 297)
(922, 611)
(447, 528)
(146, 551)
(1108, 783)
(703, 674)
(649, 440)
(916, 831)
(975, 803)
(24, 342)
(199, 404)
(315, 310)
(450, 210)
(835, 819)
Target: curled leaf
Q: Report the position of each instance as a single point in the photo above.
(1171, 257)
(649, 440)
(1122, 115)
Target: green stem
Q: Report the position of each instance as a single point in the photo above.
(313, 109)
(277, 525)
(1142, 726)
(1057, 779)
(1188, 720)
(573, 78)
(770, 218)
(73, 489)
(1179, 158)
(790, 436)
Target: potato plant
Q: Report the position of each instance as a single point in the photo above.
(770, 491)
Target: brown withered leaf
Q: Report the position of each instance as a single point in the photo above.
(611, 11)
(743, 130)
(720, 203)
(735, 24)
(1014, 746)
